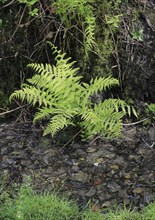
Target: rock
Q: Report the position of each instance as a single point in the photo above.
(99, 160)
(151, 133)
(103, 196)
(114, 167)
(138, 190)
(91, 150)
(109, 155)
(80, 176)
(91, 192)
(106, 204)
(9, 161)
(120, 162)
(148, 198)
(113, 187)
(75, 168)
(127, 175)
(26, 162)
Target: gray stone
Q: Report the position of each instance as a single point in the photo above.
(148, 197)
(81, 177)
(91, 150)
(91, 192)
(151, 132)
(103, 196)
(26, 162)
(113, 187)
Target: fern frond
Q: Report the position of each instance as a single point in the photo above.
(28, 93)
(98, 85)
(108, 124)
(101, 83)
(89, 34)
(57, 123)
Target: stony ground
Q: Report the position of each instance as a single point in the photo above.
(103, 172)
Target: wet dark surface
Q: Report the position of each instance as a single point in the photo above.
(103, 172)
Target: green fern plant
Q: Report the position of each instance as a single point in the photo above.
(150, 110)
(60, 97)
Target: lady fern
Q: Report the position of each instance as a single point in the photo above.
(60, 97)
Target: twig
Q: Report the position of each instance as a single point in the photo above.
(21, 17)
(150, 146)
(10, 3)
(12, 110)
(71, 139)
(95, 139)
(135, 123)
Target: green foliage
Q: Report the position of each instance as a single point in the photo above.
(113, 21)
(3, 1)
(83, 20)
(29, 205)
(61, 97)
(30, 4)
(138, 35)
(150, 110)
(149, 212)
(80, 11)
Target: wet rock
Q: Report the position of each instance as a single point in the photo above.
(26, 162)
(106, 204)
(91, 150)
(81, 177)
(120, 162)
(151, 132)
(127, 175)
(113, 187)
(109, 155)
(60, 171)
(143, 151)
(8, 162)
(91, 192)
(79, 153)
(103, 196)
(92, 157)
(138, 190)
(114, 167)
(75, 168)
(148, 197)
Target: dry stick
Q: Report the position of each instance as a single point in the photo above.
(12, 110)
(71, 139)
(150, 146)
(10, 3)
(18, 25)
(135, 123)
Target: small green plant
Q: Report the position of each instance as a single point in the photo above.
(113, 21)
(30, 4)
(138, 35)
(150, 112)
(65, 100)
